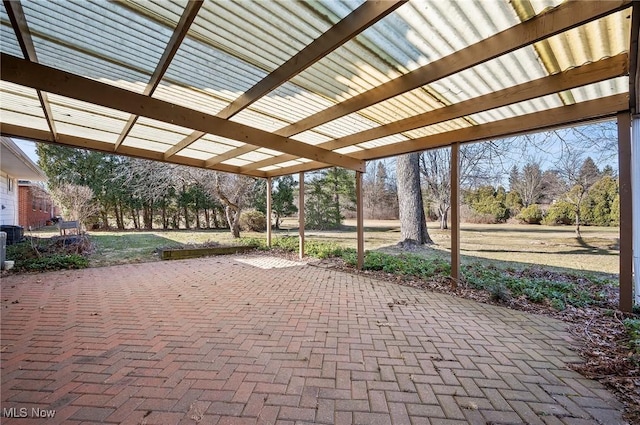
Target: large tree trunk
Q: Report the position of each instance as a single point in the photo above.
(413, 223)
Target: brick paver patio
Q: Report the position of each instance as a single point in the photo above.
(259, 340)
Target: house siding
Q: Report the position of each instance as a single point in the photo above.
(8, 199)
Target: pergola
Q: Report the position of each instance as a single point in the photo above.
(266, 89)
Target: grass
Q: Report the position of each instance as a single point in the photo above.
(510, 246)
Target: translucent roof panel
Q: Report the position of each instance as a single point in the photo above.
(8, 41)
(100, 29)
(80, 63)
(311, 137)
(200, 100)
(265, 34)
(211, 70)
(86, 120)
(414, 35)
(605, 88)
(291, 103)
(147, 130)
(442, 127)
(588, 43)
(349, 124)
(21, 106)
(389, 140)
(258, 120)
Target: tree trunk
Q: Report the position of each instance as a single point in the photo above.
(186, 217)
(578, 235)
(413, 223)
(134, 217)
(443, 219)
(207, 222)
(233, 218)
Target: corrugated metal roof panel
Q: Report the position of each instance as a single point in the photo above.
(20, 106)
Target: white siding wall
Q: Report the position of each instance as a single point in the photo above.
(8, 200)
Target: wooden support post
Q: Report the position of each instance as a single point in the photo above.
(269, 212)
(360, 220)
(455, 214)
(626, 213)
(301, 216)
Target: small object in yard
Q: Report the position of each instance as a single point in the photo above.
(8, 264)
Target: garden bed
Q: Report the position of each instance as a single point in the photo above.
(195, 252)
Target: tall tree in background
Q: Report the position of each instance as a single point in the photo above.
(330, 193)
(580, 176)
(379, 194)
(528, 184)
(413, 223)
(282, 204)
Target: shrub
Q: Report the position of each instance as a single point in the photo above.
(561, 212)
(530, 215)
(253, 221)
(632, 327)
(54, 262)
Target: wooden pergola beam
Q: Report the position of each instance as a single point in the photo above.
(40, 77)
(575, 77)
(11, 130)
(537, 121)
(564, 17)
(350, 26)
(180, 32)
(23, 34)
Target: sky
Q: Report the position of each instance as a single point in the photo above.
(29, 148)
(545, 158)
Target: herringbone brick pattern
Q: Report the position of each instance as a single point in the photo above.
(230, 341)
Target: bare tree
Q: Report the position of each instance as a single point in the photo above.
(413, 223)
(77, 201)
(232, 190)
(528, 184)
(476, 167)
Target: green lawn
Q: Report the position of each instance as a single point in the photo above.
(518, 245)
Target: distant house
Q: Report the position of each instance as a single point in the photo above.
(15, 165)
